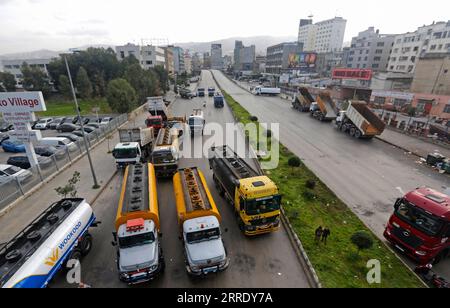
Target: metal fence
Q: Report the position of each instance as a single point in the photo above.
(15, 188)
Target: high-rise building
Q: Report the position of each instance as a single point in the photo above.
(408, 47)
(169, 61)
(216, 57)
(370, 50)
(238, 45)
(323, 36)
(244, 57)
(432, 74)
(207, 60)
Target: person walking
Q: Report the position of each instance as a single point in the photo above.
(318, 233)
(325, 234)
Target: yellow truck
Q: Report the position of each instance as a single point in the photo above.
(255, 197)
(137, 227)
(199, 223)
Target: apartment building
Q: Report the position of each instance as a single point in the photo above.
(178, 59)
(188, 63)
(216, 57)
(277, 60)
(14, 67)
(323, 36)
(408, 47)
(244, 57)
(148, 56)
(432, 74)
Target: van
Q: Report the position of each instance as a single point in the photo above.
(59, 143)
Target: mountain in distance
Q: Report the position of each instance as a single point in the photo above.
(261, 43)
(44, 53)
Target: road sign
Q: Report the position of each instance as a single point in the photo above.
(22, 102)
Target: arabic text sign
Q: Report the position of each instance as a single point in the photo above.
(22, 102)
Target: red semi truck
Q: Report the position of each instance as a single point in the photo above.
(420, 225)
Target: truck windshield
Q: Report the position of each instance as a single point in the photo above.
(162, 157)
(137, 240)
(154, 122)
(205, 235)
(419, 219)
(263, 205)
(195, 122)
(125, 153)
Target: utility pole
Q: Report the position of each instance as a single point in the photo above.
(96, 186)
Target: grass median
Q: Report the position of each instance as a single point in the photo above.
(338, 264)
(60, 107)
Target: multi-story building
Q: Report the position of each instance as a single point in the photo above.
(238, 45)
(196, 63)
(207, 60)
(370, 50)
(432, 74)
(188, 63)
(169, 61)
(178, 59)
(14, 67)
(244, 57)
(323, 36)
(408, 47)
(216, 57)
(327, 61)
(260, 64)
(278, 56)
(148, 56)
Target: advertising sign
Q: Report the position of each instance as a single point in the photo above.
(302, 60)
(351, 73)
(26, 136)
(22, 102)
(16, 117)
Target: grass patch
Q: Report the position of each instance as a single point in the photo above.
(337, 264)
(61, 107)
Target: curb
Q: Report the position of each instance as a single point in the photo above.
(103, 188)
(399, 147)
(295, 241)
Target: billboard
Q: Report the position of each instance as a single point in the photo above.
(351, 73)
(22, 102)
(302, 60)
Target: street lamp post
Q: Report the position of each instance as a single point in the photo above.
(82, 126)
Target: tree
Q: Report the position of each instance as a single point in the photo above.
(84, 86)
(163, 77)
(35, 79)
(120, 95)
(64, 86)
(362, 240)
(70, 188)
(8, 81)
(145, 83)
(294, 162)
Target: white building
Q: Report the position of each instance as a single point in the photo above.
(408, 47)
(324, 36)
(148, 56)
(14, 67)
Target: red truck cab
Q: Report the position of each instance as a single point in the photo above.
(420, 225)
(156, 122)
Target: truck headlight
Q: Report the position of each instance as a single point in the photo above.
(124, 275)
(153, 268)
(250, 228)
(421, 253)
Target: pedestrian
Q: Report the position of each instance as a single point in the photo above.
(325, 234)
(318, 233)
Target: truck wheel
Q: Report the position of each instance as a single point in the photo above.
(352, 131)
(241, 224)
(321, 118)
(86, 245)
(75, 255)
(357, 134)
(339, 126)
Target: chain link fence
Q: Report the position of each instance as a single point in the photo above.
(17, 187)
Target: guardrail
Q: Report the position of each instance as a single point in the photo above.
(15, 188)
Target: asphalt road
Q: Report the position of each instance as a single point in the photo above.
(367, 175)
(266, 261)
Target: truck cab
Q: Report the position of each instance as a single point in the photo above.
(166, 153)
(211, 91)
(156, 122)
(127, 153)
(201, 92)
(420, 225)
(218, 100)
(196, 122)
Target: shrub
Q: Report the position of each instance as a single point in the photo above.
(362, 240)
(253, 118)
(311, 184)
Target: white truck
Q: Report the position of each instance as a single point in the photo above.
(157, 107)
(135, 146)
(359, 121)
(266, 91)
(60, 234)
(196, 122)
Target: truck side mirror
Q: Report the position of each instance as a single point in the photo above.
(114, 234)
(114, 244)
(160, 234)
(397, 203)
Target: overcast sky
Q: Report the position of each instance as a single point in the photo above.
(27, 25)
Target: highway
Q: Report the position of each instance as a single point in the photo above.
(367, 175)
(263, 262)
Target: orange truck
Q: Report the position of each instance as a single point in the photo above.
(324, 109)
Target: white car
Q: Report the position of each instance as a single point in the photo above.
(8, 173)
(105, 121)
(43, 123)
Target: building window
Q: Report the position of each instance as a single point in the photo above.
(380, 44)
(447, 108)
(433, 47)
(416, 48)
(379, 51)
(8, 66)
(400, 102)
(413, 59)
(377, 59)
(375, 65)
(379, 100)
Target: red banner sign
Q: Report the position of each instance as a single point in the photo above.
(350, 73)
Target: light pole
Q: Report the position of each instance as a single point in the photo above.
(82, 125)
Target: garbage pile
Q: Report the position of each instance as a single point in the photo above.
(439, 162)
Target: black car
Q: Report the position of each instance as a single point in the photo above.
(67, 128)
(3, 137)
(6, 127)
(72, 120)
(56, 122)
(85, 120)
(44, 150)
(80, 134)
(93, 125)
(88, 129)
(70, 136)
(24, 163)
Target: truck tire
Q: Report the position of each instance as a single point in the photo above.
(75, 255)
(352, 131)
(321, 117)
(86, 245)
(358, 134)
(241, 224)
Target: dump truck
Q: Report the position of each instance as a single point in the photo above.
(359, 121)
(196, 121)
(165, 154)
(254, 197)
(135, 146)
(137, 227)
(157, 107)
(302, 100)
(36, 255)
(199, 224)
(324, 109)
(219, 101)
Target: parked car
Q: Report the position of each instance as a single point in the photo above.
(70, 136)
(58, 142)
(6, 127)
(72, 120)
(56, 122)
(85, 120)
(24, 163)
(88, 129)
(3, 137)
(93, 125)
(43, 124)
(45, 150)
(13, 146)
(105, 121)
(67, 128)
(8, 173)
(79, 133)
